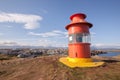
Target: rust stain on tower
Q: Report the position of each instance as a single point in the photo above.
(79, 43)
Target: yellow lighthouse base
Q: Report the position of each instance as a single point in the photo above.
(80, 62)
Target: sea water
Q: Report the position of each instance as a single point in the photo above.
(110, 54)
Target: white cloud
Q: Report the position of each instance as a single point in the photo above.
(14, 43)
(7, 26)
(41, 42)
(112, 45)
(45, 42)
(29, 21)
(55, 38)
(54, 33)
(1, 34)
(8, 43)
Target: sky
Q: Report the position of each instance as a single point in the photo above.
(42, 22)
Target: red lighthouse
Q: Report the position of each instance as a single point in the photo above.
(79, 43)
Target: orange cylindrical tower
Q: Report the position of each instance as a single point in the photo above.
(79, 36)
(79, 43)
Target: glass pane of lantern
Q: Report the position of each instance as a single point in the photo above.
(79, 37)
(71, 38)
(86, 37)
(83, 37)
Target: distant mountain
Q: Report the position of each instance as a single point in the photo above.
(105, 47)
(32, 47)
(14, 47)
(93, 47)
